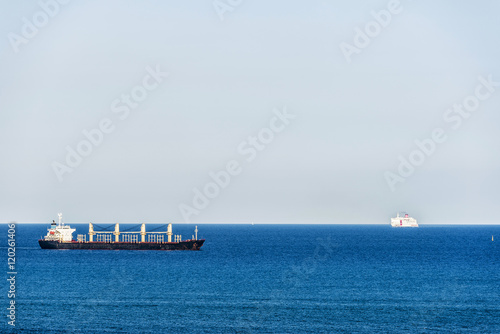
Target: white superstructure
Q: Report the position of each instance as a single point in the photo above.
(61, 232)
(403, 221)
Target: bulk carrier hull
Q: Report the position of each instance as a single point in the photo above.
(182, 245)
(60, 236)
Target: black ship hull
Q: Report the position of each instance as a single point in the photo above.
(182, 245)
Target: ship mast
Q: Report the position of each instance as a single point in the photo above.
(60, 218)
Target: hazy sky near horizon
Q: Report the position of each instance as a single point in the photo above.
(226, 81)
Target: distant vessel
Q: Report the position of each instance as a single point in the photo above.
(405, 221)
(60, 236)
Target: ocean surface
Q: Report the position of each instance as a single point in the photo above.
(264, 279)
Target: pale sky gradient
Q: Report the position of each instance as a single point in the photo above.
(352, 121)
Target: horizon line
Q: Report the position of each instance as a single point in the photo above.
(246, 223)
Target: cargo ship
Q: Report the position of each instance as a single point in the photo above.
(60, 236)
(405, 221)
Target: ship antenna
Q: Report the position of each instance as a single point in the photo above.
(196, 233)
(60, 218)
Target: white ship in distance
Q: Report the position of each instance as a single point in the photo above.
(403, 220)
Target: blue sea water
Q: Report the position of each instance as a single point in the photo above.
(265, 279)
